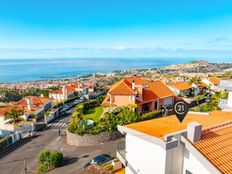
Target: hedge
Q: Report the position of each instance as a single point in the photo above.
(151, 115)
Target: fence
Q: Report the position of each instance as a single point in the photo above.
(10, 139)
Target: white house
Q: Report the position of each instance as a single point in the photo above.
(226, 104)
(181, 88)
(63, 94)
(165, 146)
(212, 82)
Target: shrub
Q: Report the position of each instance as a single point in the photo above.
(56, 159)
(49, 160)
(44, 157)
(44, 168)
(206, 108)
(151, 115)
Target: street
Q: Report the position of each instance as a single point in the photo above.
(13, 161)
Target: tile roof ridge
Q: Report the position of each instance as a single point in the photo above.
(217, 127)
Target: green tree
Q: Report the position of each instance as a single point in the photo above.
(196, 80)
(13, 115)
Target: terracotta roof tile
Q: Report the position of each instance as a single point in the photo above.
(121, 88)
(181, 85)
(160, 89)
(153, 90)
(216, 146)
(162, 126)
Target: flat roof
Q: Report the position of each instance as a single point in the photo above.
(166, 125)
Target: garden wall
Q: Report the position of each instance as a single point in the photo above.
(90, 140)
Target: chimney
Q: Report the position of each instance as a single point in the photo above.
(29, 103)
(194, 131)
(133, 85)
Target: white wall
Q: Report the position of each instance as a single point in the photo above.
(144, 157)
(192, 164)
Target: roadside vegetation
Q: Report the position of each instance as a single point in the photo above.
(212, 104)
(49, 160)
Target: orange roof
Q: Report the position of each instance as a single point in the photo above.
(214, 80)
(160, 89)
(153, 90)
(8, 109)
(216, 145)
(37, 103)
(162, 126)
(181, 85)
(122, 87)
(70, 89)
(148, 96)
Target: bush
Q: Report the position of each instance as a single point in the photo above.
(56, 159)
(151, 115)
(44, 168)
(206, 108)
(49, 160)
(44, 157)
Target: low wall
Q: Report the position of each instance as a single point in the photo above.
(90, 140)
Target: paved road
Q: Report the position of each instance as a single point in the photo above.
(75, 157)
(13, 161)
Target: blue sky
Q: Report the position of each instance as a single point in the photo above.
(72, 28)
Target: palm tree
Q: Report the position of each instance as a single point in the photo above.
(195, 80)
(14, 115)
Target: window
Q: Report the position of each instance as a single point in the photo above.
(188, 172)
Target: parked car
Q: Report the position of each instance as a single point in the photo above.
(99, 160)
(76, 102)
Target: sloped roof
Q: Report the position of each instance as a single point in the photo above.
(216, 146)
(122, 87)
(181, 85)
(214, 80)
(165, 125)
(160, 89)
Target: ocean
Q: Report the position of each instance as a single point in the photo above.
(17, 70)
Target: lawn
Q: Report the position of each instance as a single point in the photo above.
(95, 113)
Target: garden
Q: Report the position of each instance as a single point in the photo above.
(212, 104)
(106, 122)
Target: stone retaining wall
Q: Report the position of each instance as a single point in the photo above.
(90, 140)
